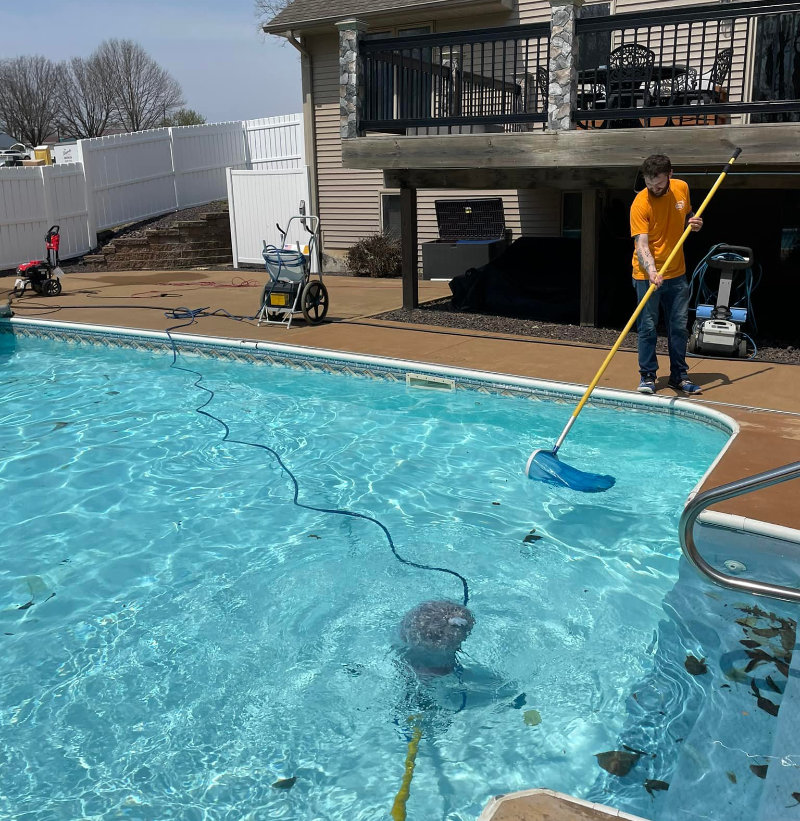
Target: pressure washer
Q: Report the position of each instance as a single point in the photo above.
(718, 328)
(43, 275)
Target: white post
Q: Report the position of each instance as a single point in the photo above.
(84, 157)
(232, 217)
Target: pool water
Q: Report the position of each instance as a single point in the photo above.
(178, 636)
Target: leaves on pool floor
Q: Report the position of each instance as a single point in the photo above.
(796, 796)
(533, 536)
(519, 701)
(759, 770)
(617, 762)
(772, 685)
(285, 783)
(653, 784)
(731, 776)
(532, 718)
(695, 666)
(763, 703)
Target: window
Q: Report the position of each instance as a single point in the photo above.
(571, 214)
(595, 47)
(390, 214)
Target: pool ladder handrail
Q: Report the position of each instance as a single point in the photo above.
(719, 494)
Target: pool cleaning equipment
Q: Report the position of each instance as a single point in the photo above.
(718, 329)
(43, 275)
(290, 289)
(544, 465)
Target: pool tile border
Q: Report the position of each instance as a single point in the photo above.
(371, 367)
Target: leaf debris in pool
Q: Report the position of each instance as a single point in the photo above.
(695, 666)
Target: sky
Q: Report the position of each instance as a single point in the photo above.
(228, 69)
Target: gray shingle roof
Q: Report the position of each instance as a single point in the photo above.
(306, 12)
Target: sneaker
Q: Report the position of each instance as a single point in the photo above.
(647, 383)
(684, 385)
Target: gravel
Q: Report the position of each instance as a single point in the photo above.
(438, 313)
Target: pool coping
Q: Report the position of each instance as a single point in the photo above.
(398, 369)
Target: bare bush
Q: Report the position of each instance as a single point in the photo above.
(378, 255)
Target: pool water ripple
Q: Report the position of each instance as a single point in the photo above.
(208, 637)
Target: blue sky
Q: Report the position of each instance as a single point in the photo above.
(227, 68)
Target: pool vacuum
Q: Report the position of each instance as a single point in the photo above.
(43, 275)
(718, 329)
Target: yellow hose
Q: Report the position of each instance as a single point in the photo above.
(398, 812)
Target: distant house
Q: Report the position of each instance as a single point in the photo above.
(553, 104)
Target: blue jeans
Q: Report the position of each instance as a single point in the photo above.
(673, 298)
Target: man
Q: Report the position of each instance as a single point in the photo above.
(659, 216)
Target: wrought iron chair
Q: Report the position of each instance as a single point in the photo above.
(707, 88)
(542, 85)
(630, 74)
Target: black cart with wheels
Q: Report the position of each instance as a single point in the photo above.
(290, 289)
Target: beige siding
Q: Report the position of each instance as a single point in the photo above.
(349, 200)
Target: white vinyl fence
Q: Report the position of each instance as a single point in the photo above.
(34, 199)
(275, 143)
(258, 202)
(128, 177)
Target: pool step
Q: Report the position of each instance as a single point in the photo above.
(782, 783)
(724, 758)
(697, 722)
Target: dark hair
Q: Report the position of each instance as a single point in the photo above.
(655, 165)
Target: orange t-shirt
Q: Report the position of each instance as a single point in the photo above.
(663, 219)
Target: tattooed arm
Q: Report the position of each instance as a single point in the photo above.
(646, 261)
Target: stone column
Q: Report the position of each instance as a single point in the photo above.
(563, 87)
(350, 79)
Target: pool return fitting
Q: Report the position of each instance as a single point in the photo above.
(544, 465)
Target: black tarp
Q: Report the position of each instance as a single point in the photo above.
(534, 278)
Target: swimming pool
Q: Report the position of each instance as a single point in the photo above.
(179, 636)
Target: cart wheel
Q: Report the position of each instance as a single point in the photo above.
(51, 287)
(743, 348)
(314, 302)
(691, 345)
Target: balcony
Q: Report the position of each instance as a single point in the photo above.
(661, 80)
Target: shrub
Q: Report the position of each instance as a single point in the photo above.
(378, 255)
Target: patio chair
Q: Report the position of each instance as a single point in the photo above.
(705, 89)
(630, 74)
(542, 85)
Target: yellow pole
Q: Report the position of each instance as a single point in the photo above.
(398, 812)
(624, 333)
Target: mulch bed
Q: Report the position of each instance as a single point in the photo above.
(438, 312)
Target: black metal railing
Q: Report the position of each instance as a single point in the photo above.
(490, 80)
(693, 65)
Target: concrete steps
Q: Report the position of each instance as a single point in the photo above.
(185, 244)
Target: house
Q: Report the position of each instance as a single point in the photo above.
(553, 104)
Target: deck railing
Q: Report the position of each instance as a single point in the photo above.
(494, 80)
(692, 65)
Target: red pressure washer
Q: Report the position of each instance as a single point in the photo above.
(43, 275)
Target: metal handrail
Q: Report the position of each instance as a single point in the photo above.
(720, 494)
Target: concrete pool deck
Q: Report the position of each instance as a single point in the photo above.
(763, 398)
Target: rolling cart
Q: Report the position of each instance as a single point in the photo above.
(290, 289)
